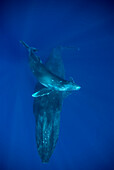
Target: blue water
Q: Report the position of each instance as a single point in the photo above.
(86, 140)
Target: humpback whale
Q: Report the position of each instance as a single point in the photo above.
(47, 110)
(48, 100)
(51, 81)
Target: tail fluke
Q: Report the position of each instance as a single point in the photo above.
(25, 45)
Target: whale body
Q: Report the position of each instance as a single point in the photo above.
(47, 78)
(47, 111)
(48, 99)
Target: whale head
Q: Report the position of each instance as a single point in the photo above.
(73, 86)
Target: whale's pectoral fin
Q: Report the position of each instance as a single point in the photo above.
(42, 92)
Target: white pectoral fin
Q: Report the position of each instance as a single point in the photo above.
(42, 92)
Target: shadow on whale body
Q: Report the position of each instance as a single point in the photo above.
(47, 106)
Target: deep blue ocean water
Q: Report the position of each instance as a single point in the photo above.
(86, 140)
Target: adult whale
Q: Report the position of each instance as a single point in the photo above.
(51, 81)
(47, 108)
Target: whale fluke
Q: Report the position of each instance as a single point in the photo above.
(25, 45)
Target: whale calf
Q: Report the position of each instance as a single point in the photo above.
(48, 79)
